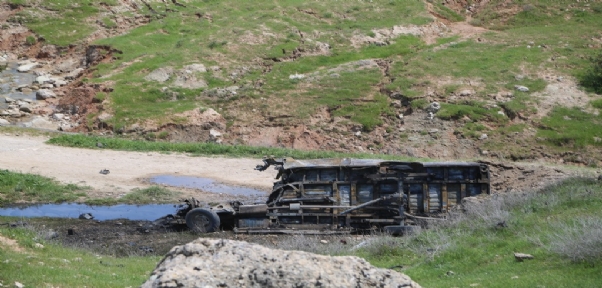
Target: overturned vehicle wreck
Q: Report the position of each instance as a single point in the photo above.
(327, 196)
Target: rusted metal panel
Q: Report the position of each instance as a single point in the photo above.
(253, 209)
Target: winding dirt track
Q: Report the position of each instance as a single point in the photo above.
(128, 170)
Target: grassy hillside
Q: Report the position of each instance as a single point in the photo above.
(356, 59)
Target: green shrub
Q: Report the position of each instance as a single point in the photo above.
(30, 40)
(592, 80)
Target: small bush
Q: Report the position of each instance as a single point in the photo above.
(580, 240)
(592, 80)
(30, 40)
(597, 103)
(215, 44)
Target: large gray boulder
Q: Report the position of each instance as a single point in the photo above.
(229, 263)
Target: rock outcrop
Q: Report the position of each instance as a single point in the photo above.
(228, 263)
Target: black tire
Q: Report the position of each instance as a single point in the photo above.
(202, 220)
(401, 230)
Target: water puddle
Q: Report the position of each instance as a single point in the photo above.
(10, 78)
(72, 210)
(205, 184)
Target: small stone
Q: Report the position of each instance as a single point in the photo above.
(25, 108)
(42, 79)
(45, 94)
(483, 136)
(38, 245)
(324, 241)
(521, 88)
(522, 256)
(296, 76)
(465, 93)
(19, 285)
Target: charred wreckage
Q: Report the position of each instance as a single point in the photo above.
(330, 196)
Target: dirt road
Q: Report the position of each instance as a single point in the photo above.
(128, 170)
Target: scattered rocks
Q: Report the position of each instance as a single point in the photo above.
(243, 264)
(40, 123)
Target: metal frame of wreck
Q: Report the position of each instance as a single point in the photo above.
(350, 194)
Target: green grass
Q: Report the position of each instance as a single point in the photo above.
(70, 16)
(56, 266)
(445, 12)
(571, 128)
(475, 251)
(83, 141)
(18, 187)
(150, 195)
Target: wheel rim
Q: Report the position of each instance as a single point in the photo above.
(201, 223)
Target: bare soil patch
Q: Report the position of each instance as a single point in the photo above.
(10, 243)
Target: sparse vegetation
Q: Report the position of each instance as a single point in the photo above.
(30, 40)
(592, 79)
(83, 141)
(17, 187)
(571, 128)
(55, 265)
(153, 194)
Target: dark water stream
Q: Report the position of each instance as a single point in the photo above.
(71, 210)
(132, 212)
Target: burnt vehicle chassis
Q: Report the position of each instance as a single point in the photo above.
(328, 196)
